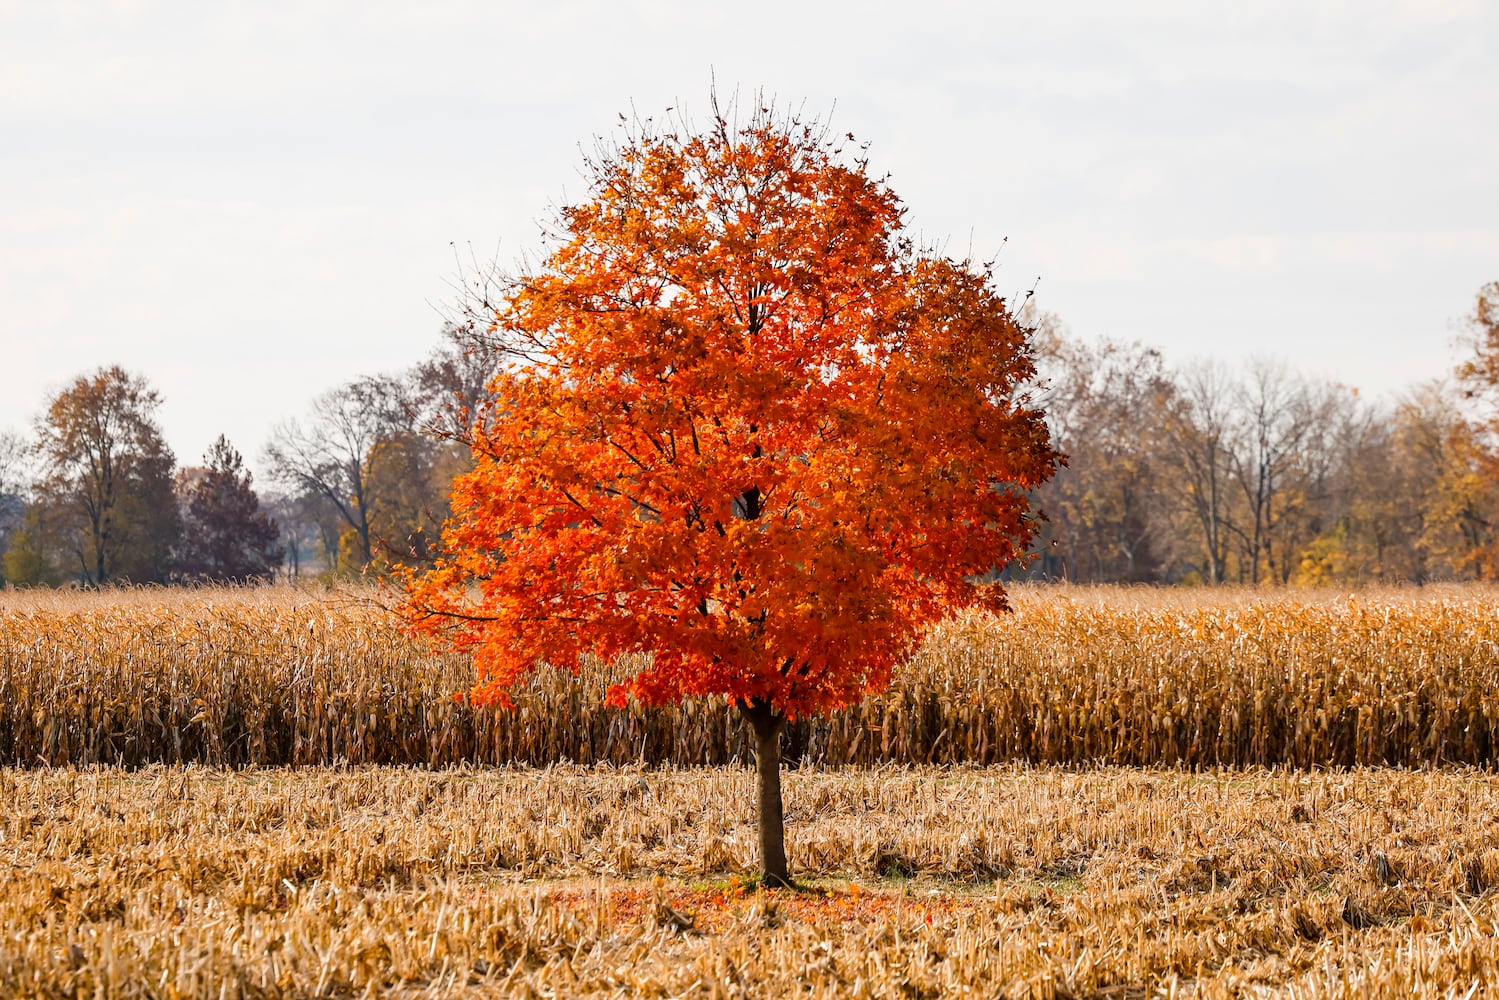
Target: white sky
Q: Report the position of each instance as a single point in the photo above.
(251, 202)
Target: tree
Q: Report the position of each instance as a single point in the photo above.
(109, 477)
(28, 554)
(1462, 518)
(748, 429)
(301, 518)
(1479, 372)
(1366, 514)
(1459, 508)
(375, 464)
(1283, 416)
(226, 536)
(412, 474)
(1106, 405)
(14, 485)
(1200, 438)
(450, 388)
(329, 457)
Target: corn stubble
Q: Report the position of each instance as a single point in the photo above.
(1013, 881)
(1110, 676)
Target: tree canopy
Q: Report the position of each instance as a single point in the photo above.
(109, 477)
(748, 427)
(742, 398)
(226, 536)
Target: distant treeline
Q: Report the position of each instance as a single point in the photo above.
(1206, 474)
(1198, 474)
(94, 496)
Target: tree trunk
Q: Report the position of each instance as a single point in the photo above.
(767, 724)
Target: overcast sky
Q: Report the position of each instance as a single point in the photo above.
(250, 202)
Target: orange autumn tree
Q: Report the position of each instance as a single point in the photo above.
(745, 427)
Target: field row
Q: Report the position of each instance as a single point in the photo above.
(1084, 676)
(920, 882)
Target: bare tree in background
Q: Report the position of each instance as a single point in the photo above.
(328, 455)
(310, 529)
(1106, 403)
(15, 484)
(450, 388)
(15, 462)
(373, 465)
(1361, 511)
(1200, 437)
(1284, 417)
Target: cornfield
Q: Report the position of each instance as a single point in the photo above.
(923, 882)
(1111, 676)
(923, 875)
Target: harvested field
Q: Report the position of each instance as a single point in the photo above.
(567, 881)
(1076, 675)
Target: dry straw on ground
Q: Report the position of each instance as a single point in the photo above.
(1076, 675)
(1008, 881)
